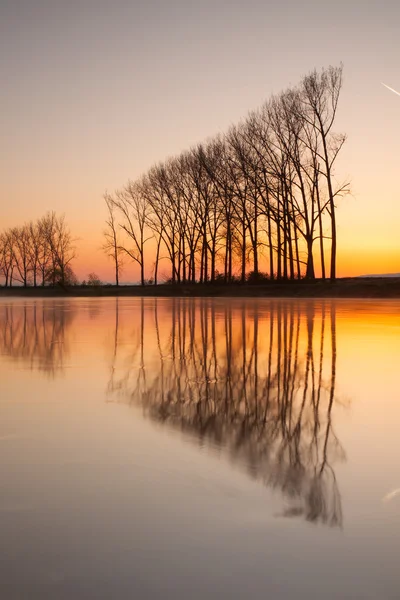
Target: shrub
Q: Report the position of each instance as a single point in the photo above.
(259, 277)
(93, 280)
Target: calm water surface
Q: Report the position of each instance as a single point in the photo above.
(199, 448)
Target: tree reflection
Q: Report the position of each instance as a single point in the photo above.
(35, 334)
(255, 379)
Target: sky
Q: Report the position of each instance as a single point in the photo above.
(95, 92)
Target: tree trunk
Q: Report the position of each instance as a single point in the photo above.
(157, 259)
(243, 277)
(310, 273)
(321, 234)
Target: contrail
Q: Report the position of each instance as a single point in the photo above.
(391, 89)
(396, 492)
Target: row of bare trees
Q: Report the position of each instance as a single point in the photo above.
(263, 194)
(37, 253)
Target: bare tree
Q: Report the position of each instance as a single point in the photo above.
(22, 254)
(112, 246)
(320, 96)
(59, 240)
(45, 254)
(7, 262)
(132, 207)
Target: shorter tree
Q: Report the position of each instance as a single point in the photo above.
(62, 277)
(112, 246)
(94, 280)
(61, 244)
(132, 209)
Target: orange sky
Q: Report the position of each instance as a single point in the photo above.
(95, 94)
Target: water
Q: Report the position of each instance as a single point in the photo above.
(199, 448)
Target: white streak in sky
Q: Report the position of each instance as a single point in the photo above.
(391, 495)
(391, 89)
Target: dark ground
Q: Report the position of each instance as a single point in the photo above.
(374, 287)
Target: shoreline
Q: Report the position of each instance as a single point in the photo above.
(373, 287)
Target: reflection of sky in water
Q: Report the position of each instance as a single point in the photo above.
(259, 417)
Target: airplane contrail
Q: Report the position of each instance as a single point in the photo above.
(391, 89)
(394, 493)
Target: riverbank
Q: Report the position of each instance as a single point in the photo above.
(373, 287)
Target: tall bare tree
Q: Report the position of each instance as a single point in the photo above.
(320, 95)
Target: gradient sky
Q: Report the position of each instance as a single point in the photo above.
(95, 92)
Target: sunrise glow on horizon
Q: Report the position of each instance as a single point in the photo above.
(98, 93)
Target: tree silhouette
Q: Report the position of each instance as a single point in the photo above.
(264, 190)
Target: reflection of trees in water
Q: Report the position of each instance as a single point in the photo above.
(256, 379)
(35, 334)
